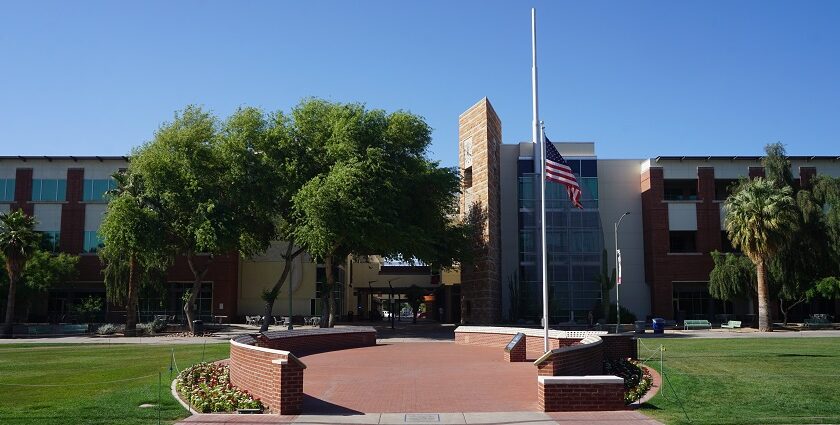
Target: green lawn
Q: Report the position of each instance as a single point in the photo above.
(76, 383)
(747, 380)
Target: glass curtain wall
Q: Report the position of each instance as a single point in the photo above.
(574, 242)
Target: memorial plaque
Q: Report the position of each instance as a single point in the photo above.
(514, 341)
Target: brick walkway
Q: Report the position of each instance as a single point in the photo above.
(428, 377)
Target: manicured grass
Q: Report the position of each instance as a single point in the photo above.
(93, 383)
(747, 380)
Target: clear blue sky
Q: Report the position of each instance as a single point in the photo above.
(639, 78)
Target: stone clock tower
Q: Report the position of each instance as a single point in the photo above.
(479, 141)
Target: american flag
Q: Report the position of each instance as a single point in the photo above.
(557, 170)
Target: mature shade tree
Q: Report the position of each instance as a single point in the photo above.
(759, 219)
(374, 191)
(135, 251)
(18, 243)
(196, 198)
(270, 166)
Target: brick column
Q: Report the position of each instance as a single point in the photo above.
(517, 353)
(480, 138)
(73, 213)
(291, 386)
(655, 226)
(23, 191)
(708, 212)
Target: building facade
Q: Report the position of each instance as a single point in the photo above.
(676, 220)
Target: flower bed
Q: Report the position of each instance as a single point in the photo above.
(207, 387)
(637, 380)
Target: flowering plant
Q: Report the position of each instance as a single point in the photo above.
(207, 387)
(637, 380)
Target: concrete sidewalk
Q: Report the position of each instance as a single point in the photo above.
(508, 418)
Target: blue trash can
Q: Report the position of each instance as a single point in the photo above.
(658, 325)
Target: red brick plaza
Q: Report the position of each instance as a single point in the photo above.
(360, 381)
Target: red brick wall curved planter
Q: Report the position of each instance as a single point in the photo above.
(570, 374)
(268, 367)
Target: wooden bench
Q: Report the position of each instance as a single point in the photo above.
(731, 324)
(696, 324)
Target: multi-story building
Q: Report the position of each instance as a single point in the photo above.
(675, 221)
(66, 197)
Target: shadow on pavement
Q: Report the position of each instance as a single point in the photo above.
(316, 406)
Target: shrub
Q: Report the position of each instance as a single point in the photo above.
(158, 325)
(207, 387)
(144, 329)
(109, 329)
(637, 380)
(627, 316)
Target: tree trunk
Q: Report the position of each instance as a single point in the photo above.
(328, 315)
(196, 288)
(764, 321)
(269, 304)
(131, 306)
(786, 310)
(10, 305)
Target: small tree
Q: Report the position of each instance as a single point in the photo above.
(18, 243)
(606, 281)
(134, 249)
(414, 295)
(43, 271)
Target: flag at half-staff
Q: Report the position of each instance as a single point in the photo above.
(558, 170)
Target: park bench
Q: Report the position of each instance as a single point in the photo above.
(731, 324)
(696, 324)
(817, 321)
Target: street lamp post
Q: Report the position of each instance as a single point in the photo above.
(618, 281)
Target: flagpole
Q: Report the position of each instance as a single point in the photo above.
(543, 239)
(535, 136)
(538, 136)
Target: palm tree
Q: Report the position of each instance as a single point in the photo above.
(759, 219)
(18, 242)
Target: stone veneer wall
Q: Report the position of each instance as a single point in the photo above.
(479, 150)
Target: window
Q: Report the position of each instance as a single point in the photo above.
(49, 190)
(49, 240)
(94, 190)
(7, 190)
(588, 168)
(680, 189)
(92, 242)
(683, 240)
(723, 188)
(315, 306)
